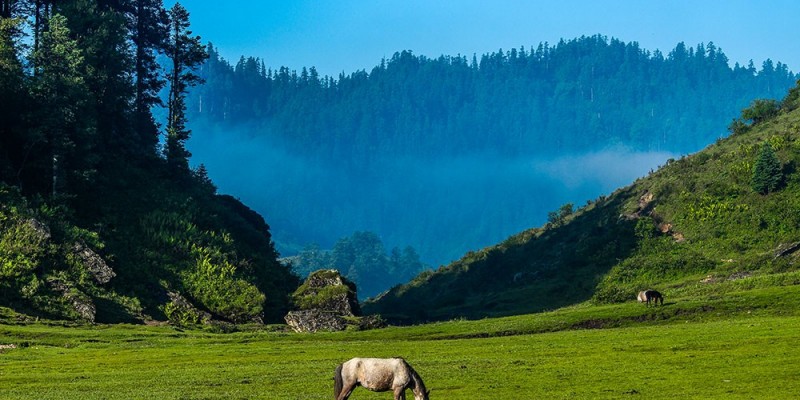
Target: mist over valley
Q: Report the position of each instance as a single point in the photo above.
(455, 153)
(443, 207)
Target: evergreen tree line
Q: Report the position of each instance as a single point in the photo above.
(79, 144)
(578, 95)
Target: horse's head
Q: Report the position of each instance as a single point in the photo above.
(422, 396)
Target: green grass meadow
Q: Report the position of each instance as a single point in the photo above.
(743, 345)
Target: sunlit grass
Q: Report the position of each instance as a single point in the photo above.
(739, 346)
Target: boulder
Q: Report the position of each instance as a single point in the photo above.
(93, 263)
(81, 303)
(182, 312)
(327, 290)
(786, 249)
(315, 320)
(327, 301)
(42, 230)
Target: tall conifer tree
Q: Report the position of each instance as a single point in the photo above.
(148, 24)
(13, 98)
(187, 53)
(59, 90)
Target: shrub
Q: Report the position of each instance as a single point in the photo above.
(761, 110)
(218, 290)
(22, 246)
(792, 100)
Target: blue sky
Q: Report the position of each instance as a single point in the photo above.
(347, 35)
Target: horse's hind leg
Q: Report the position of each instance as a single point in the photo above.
(346, 391)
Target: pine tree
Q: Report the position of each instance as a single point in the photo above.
(767, 174)
(186, 53)
(60, 92)
(14, 139)
(148, 24)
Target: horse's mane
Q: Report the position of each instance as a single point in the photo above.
(418, 383)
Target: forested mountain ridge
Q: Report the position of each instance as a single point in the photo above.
(574, 96)
(725, 213)
(98, 220)
(453, 153)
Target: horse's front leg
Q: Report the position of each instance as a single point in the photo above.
(400, 393)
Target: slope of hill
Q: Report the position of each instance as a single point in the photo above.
(695, 221)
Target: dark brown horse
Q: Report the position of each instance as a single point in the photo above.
(378, 375)
(648, 295)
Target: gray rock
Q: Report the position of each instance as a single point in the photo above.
(93, 263)
(185, 311)
(80, 302)
(326, 301)
(315, 321)
(42, 230)
(328, 290)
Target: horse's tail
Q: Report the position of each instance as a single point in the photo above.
(338, 384)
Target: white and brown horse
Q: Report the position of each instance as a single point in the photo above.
(648, 295)
(378, 375)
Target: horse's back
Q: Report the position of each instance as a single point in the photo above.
(378, 374)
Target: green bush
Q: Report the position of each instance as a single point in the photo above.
(233, 299)
(23, 244)
(761, 110)
(181, 316)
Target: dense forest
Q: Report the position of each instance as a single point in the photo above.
(577, 95)
(101, 216)
(454, 153)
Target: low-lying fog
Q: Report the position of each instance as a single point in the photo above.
(442, 207)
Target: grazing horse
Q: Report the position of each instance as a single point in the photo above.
(647, 295)
(378, 375)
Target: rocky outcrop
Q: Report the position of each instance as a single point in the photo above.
(315, 320)
(327, 301)
(786, 249)
(80, 302)
(182, 312)
(328, 290)
(644, 207)
(42, 230)
(93, 263)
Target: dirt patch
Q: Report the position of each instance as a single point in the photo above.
(591, 324)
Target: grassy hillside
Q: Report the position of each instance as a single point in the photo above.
(696, 219)
(732, 344)
(160, 251)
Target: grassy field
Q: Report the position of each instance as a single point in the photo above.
(742, 345)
